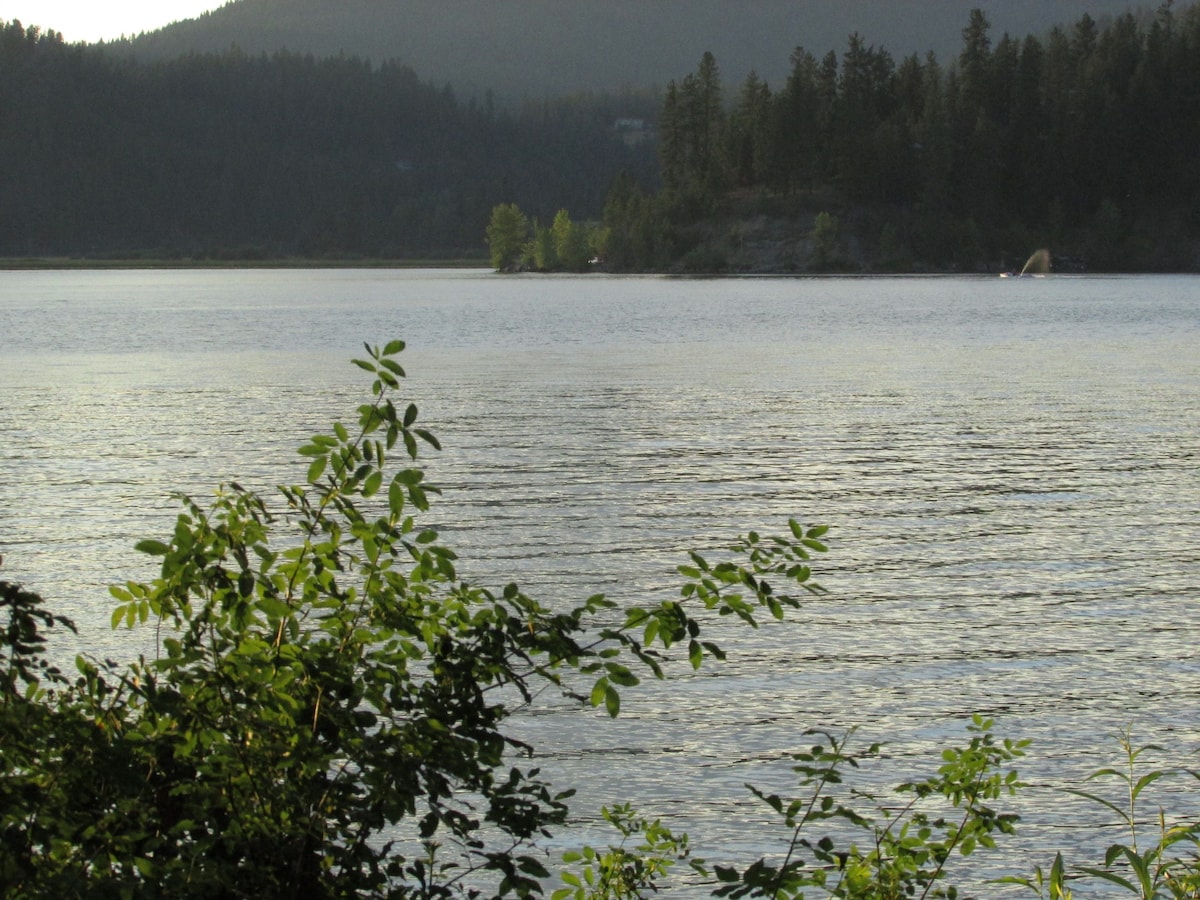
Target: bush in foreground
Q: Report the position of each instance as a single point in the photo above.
(325, 716)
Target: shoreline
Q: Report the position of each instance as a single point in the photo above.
(60, 263)
(65, 263)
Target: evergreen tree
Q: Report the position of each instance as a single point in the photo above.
(672, 139)
(975, 63)
(708, 126)
(864, 102)
(748, 135)
(804, 111)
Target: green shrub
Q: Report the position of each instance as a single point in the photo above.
(326, 711)
(325, 717)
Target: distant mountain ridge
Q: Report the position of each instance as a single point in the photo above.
(531, 49)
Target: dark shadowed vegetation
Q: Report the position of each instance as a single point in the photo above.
(241, 158)
(1084, 140)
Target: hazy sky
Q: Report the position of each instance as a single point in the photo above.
(94, 20)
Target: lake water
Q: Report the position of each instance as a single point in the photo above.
(1009, 469)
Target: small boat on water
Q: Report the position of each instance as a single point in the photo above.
(1036, 266)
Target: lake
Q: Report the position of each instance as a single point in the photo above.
(1009, 469)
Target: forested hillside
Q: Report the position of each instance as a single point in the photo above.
(236, 155)
(537, 48)
(1086, 140)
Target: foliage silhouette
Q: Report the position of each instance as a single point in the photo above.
(326, 715)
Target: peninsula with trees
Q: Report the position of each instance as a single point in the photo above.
(1081, 140)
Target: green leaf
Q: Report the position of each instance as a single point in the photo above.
(598, 691)
(1110, 877)
(1145, 781)
(618, 674)
(393, 347)
(317, 468)
(392, 366)
(612, 701)
(651, 632)
(1096, 798)
(531, 866)
(372, 484)
(153, 548)
(428, 437)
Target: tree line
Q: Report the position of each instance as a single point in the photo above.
(238, 156)
(1085, 140)
(518, 243)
